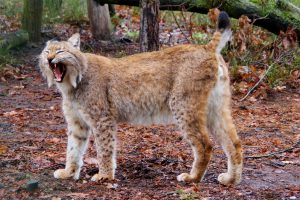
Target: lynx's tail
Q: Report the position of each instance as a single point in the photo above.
(222, 35)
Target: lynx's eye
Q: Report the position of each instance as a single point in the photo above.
(59, 51)
(47, 51)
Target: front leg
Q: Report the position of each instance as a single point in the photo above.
(105, 141)
(78, 137)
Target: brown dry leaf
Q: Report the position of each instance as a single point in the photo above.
(279, 88)
(244, 24)
(55, 140)
(3, 149)
(295, 74)
(289, 38)
(55, 198)
(19, 87)
(111, 186)
(213, 15)
(241, 40)
(243, 46)
(3, 79)
(252, 99)
(11, 113)
(135, 19)
(256, 41)
(285, 43)
(276, 141)
(90, 161)
(78, 195)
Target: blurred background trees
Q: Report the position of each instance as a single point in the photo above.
(148, 25)
(32, 19)
(99, 18)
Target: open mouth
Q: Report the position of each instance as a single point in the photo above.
(59, 71)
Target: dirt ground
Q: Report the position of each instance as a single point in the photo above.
(33, 145)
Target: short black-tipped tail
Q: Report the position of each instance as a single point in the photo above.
(223, 21)
(222, 35)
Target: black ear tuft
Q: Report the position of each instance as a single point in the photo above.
(223, 21)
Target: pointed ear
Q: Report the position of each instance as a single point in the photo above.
(75, 40)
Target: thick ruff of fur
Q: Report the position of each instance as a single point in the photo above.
(185, 84)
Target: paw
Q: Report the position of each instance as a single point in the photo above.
(185, 177)
(227, 179)
(64, 174)
(101, 177)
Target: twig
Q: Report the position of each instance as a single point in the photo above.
(277, 152)
(179, 5)
(186, 37)
(254, 20)
(260, 80)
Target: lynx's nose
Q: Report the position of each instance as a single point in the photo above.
(50, 60)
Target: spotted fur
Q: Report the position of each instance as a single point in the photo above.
(185, 84)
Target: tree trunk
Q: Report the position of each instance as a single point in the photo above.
(12, 40)
(32, 19)
(274, 19)
(99, 20)
(149, 26)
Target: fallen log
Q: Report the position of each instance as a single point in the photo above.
(12, 40)
(274, 18)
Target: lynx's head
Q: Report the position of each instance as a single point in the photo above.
(62, 62)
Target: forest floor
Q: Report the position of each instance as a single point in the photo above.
(33, 145)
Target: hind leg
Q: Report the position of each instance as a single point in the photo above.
(223, 127)
(191, 118)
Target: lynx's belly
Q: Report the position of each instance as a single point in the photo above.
(162, 117)
(145, 115)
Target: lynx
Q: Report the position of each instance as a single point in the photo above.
(185, 84)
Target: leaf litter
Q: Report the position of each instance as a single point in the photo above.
(33, 141)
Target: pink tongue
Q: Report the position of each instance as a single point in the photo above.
(57, 73)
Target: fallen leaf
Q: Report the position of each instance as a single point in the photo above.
(11, 113)
(90, 161)
(252, 99)
(55, 140)
(111, 186)
(3, 149)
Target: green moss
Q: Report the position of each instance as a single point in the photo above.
(6, 59)
(185, 195)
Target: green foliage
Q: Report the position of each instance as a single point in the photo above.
(200, 19)
(277, 75)
(295, 2)
(120, 54)
(185, 195)
(200, 38)
(6, 59)
(74, 10)
(134, 35)
(62, 11)
(297, 61)
(11, 8)
(136, 11)
(280, 72)
(54, 10)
